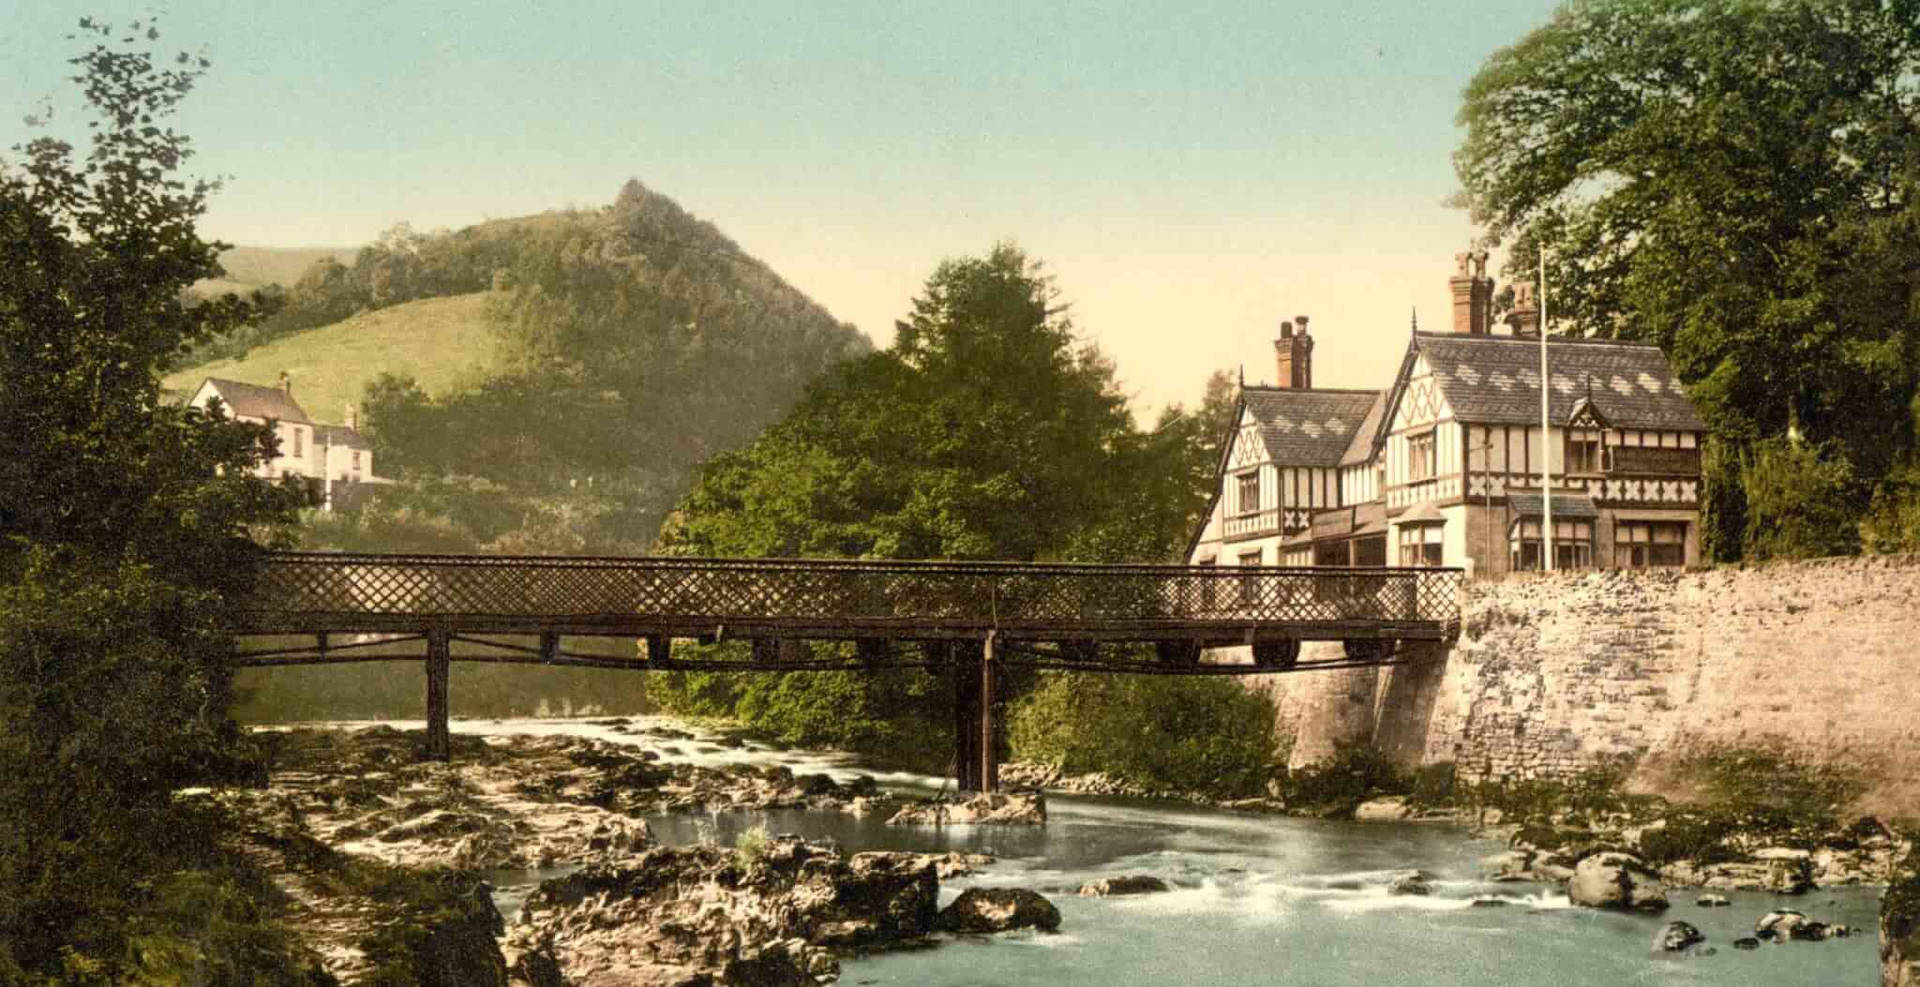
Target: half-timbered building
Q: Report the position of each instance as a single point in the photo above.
(1446, 465)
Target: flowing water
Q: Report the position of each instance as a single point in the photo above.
(1262, 899)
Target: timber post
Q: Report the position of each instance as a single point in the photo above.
(966, 717)
(989, 759)
(439, 667)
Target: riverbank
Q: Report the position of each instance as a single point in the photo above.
(569, 820)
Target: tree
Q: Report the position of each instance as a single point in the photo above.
(988, 430)
(1735, 181)
(124, 520)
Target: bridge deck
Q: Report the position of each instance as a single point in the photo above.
(788, 599)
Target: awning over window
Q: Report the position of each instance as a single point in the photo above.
(1565, 506)
(1423, 513)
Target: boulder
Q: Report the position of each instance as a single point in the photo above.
(1393, 808)
(1712, 901)
(1412, 882)
(1900, 931)
(1677, 937)
(1617, 881)
(1513, 865)
(1746, 942)
(881, 896)
(1783, 924)
(1787, 871)
(461, 947)
(1108, 887)
(999, 910)
(986, 808)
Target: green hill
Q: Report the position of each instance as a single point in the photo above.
(256, 267)
(444, 343)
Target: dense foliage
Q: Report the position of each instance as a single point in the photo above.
(987, 431)
(1211, 736)
(1736, 181)
(124, 523)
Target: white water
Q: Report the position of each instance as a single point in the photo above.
(1260, 899)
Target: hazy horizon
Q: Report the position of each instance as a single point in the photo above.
(1191, 176)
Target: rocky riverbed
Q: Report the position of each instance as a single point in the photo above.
(349, 813)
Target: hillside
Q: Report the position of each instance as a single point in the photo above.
(256, 267)
(443, 343)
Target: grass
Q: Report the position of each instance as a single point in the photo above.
(444, 343)
(255, 267)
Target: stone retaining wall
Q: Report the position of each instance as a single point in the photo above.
(1556, 673)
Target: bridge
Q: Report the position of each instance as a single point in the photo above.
(960, 619)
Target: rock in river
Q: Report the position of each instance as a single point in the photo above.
(999, 910)
(1678, 937)
(997, 808)
(1616, 880)
(1107, 887)
(1412, 882)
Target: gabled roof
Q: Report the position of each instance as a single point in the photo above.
(1307, 427)
(340, 435)
(1496, 380)
(1361, 448)
(253, 401)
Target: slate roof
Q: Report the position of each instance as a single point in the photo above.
(340, 435)
(1496, 380)
(253, 401)
(1307, 427)
(1361, 448)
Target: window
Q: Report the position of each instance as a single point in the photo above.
(1420, 459)
(1250, 585)
(356, 460)
(1420, 544)
(299, 435)
(1583, 451)
(1572, 545)
(1249, 493)
(1644, 544)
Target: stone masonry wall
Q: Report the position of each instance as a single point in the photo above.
(1556, 673)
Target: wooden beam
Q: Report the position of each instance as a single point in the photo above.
(659, 647)
(989, 753)
(439, 662)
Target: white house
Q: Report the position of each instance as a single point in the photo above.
(331, 457)
(1444, 466)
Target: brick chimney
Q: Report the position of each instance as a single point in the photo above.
(353, 416)
(1525, 316)
(1472, 294)
(1293, 355)
(286, 383)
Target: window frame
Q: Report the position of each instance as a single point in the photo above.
(1425, 541)
(1244, 481)
(1423, 456)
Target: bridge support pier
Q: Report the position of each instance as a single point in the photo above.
(965, 669)
(989, 751)
(439, 668)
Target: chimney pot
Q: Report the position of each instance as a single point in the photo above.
(1286, 330)
(286, 383)
(1302, 320)
(1293, 355)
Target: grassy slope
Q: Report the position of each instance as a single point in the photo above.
(445, 343)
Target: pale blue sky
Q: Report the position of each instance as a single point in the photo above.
(1192, 173)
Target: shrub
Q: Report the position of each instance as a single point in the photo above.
(1433, 784)
(751, 844)
(1167, 733)
(1350, 776)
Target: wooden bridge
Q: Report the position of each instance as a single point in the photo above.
(960, 618)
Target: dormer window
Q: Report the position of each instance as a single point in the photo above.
(1583, 450)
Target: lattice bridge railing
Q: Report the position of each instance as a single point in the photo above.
(348, 593)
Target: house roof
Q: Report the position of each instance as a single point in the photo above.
(340, 435)
(1303, 427)
(253, 401)
(1360, 449)
(1496, 380)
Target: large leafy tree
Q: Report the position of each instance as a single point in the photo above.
(1735, 180)
(988, 430)
(124, 519)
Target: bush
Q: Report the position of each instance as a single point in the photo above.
(1167, 733)
(1350, 776)
(1433, 784)
(751, 844)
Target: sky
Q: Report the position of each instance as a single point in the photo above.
(1191, 173)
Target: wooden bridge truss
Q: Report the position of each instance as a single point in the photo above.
(958, 618)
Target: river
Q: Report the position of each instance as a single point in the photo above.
(1260, 899)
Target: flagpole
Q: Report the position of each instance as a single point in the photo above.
(1546, 431)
